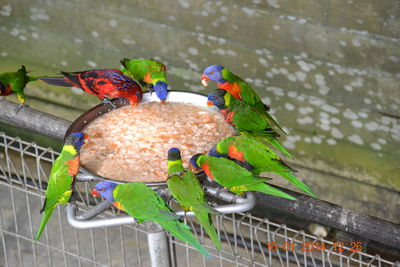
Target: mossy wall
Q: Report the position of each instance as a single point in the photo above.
(329, 69)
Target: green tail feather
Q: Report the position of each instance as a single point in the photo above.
(299, 184)
(205, 220)
(181, 231)
(43, 223)
(277, 145)
(267, 189)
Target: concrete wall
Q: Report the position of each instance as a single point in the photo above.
(329, 69)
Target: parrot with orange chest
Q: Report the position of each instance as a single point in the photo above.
(233, 176)
(249, 150)
(106, 84)
(238, 88)
(148, 72)
(142, 203)
(245, 119)
(62, 177)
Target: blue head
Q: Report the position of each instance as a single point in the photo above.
(217, 99)
(105, 189)
(213, 152)
(76, 139)
(213, 73)
(174, 154)
(193, 161)
(161, 90)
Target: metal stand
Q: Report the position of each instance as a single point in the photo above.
(157, 240)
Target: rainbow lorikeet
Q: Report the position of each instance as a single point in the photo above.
(186, 189)
(251, 150)
(14, 83)
(103, 83)
(62, 177)
(244, 118)
(238, 88)
(142, 203)
(234, 177)
(148, 72)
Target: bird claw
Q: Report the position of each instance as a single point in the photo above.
(150, 88)
(19, 107)
(107, 101)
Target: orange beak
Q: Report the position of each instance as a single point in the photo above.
(204, 80)
(162, 101)
(210, 103)
(95, 193)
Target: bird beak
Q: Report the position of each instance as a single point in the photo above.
(162, 101)
(210, 103)
(204, 79)
(95, 193)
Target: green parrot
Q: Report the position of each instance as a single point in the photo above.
(148, 72)
(186, 189)
(244, 118)
(62, 177)
(239, 89)
(15, 82)
(248, 149)
(233, 176)
(142, 203)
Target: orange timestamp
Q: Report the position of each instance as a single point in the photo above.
(314, 246)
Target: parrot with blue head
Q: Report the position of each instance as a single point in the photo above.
(186, 189)
(249, 150)
(149, 72)
(234, 177)
(62, 177)
(245, 119)
(142, 203)
(238, 88)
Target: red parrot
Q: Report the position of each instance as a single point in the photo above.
(104, 83)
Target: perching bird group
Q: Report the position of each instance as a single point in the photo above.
(238, 163)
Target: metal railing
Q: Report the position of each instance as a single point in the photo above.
(247, 240)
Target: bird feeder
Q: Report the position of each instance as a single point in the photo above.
(85, 220)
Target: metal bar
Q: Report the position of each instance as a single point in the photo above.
(312, 209)
(334, 216)
(33, 120)
(158, 246)
(243, 204)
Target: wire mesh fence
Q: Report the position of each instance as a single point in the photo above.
(247, 240)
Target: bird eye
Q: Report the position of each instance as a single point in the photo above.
(211, 73)
(103, 190)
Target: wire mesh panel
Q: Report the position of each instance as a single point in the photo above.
(247, 240)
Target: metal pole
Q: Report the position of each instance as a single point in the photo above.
(157, 240)
(33, 120)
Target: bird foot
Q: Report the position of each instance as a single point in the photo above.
(150, 88)
(108, 101)
(19, 107)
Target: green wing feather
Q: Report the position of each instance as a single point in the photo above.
(247, 118)
(58, 188)
(267, 189)
(257, 154)
(229, 174)
(141, 202)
